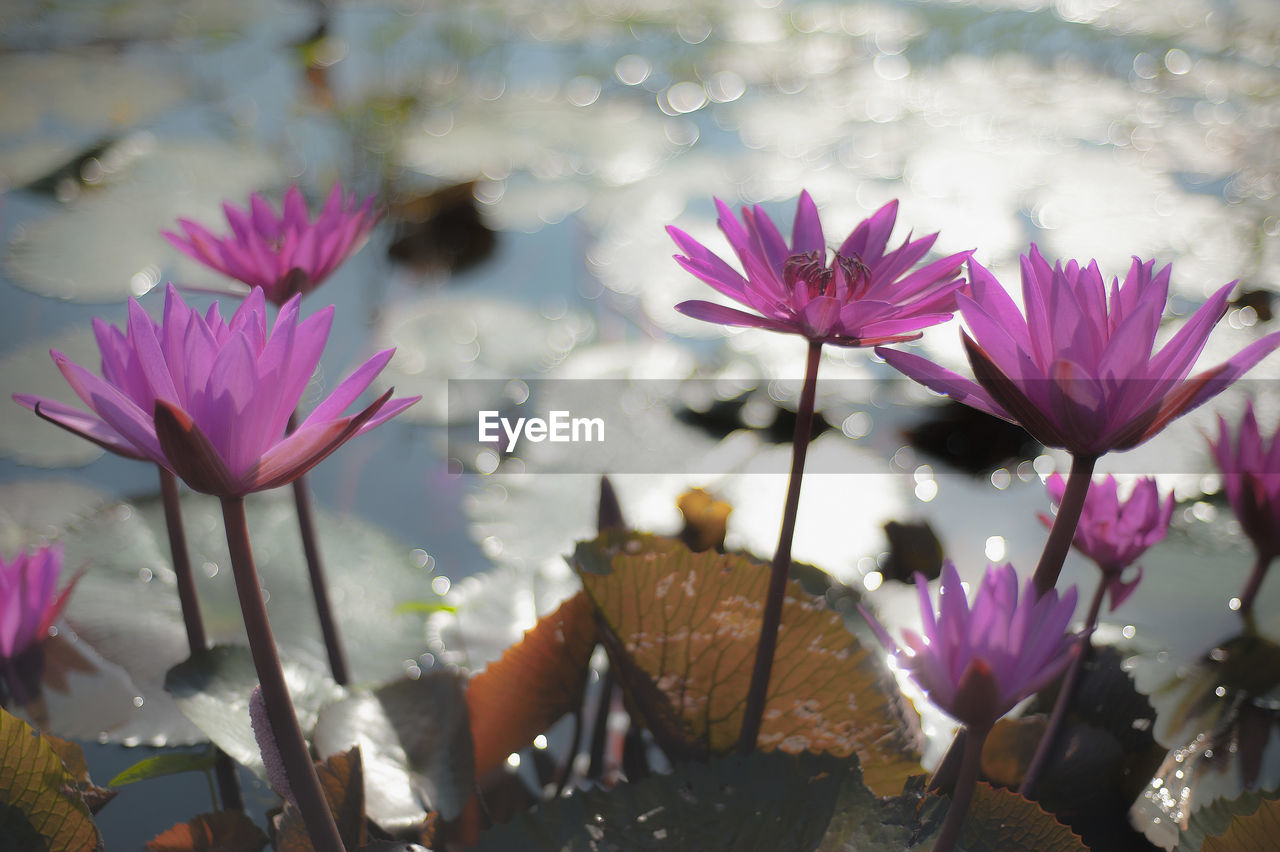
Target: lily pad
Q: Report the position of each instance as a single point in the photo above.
(119, 251)
(212, 690)
(681, 630)
(125, 607)
(24, 437)
(443, 344)
(415, 744)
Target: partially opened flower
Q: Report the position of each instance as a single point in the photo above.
(211, 399)
(1250, 467)
(29, 598)
(284, 254)
(1079, 370)
(976, 662)
(1114, 533)
(860, 295)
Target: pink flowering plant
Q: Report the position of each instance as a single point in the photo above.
(30, 601)
(1250, 467)
(782, 729)
(287, 253)
(1114, 532)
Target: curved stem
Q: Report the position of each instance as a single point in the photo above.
(1064, 525)
(1065, 693)
(298, 766)
(1250, 593)
(196, 640)
(963, 794)
(315, 570)
(780, 570)
(225, 769)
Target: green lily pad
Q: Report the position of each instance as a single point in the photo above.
(212, 690)
(415, 743)
(119, 251)
(126, 610)
(24, 437)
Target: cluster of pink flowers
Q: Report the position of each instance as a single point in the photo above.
(1079, 370)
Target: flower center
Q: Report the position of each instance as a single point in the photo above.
(846, 278)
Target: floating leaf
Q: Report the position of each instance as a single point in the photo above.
(116, 231)
(763, 801)
(682, 630)
(1247, 823)
(224, 831)
(29, 369)
(169, 763)
(1000, 820)
(126, 606)
(535, 683)
(415, 742)
(40, 807)
(342, 780)
(212, 689)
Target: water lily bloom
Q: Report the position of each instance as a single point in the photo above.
(1114, 533)
(211, 399)
(976, 662)
(1078, 370)
(860, 295)
(284, 254)
(1250, 468)
(29, 598)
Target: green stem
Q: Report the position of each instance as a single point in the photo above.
(1064, 525)
(298, 766)
(1251, 588)
(780, 570)
(315, 570)
(228, 781)
(964, 788)
(1065, 693)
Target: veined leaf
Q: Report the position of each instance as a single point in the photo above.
(681, 630)
(535, 683)
(40, 807)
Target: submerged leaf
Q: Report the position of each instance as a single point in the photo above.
(681, 630)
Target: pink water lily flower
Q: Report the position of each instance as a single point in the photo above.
(284, 254)
(1114, 533)
(29, 598)
(1078, 371)
(211, 400)
(862, 296)
(976, 662)
(1250, 466)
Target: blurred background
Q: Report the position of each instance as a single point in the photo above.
(529, 155)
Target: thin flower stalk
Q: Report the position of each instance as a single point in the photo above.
(864, 295)
(977, 661)
(1250, 466)
(780, 568)
(299, 769)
